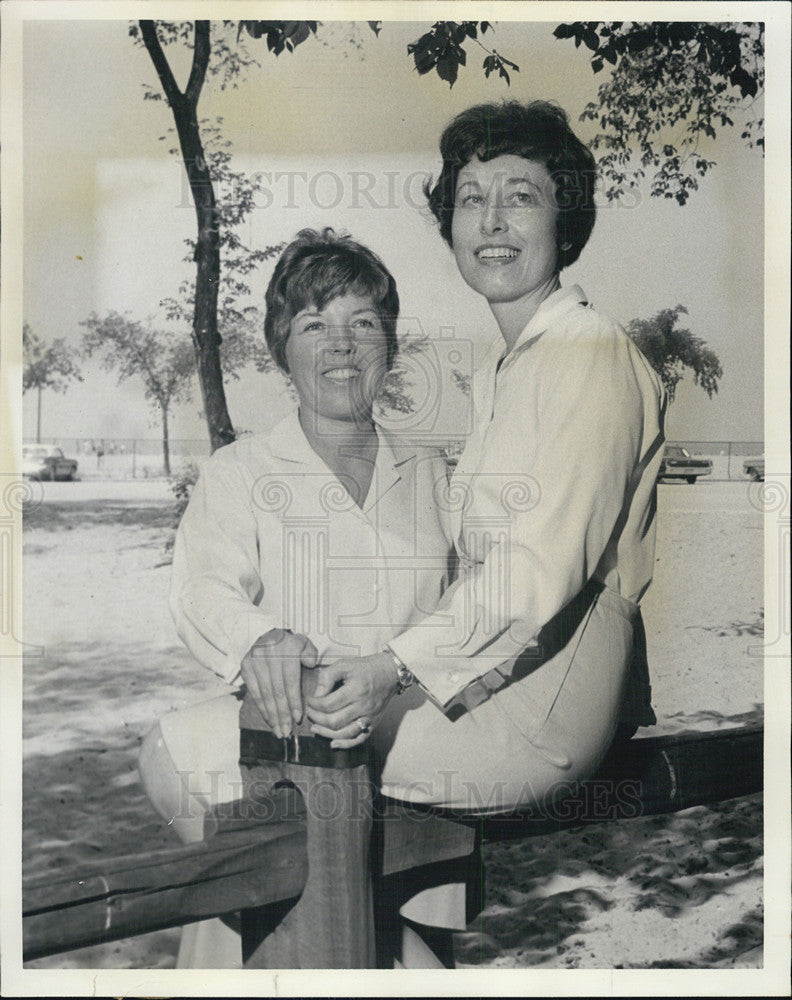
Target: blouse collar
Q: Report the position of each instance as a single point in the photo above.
(554, 306)
(287, 441)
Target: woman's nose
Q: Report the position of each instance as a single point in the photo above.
(493, 219)
(342, 340)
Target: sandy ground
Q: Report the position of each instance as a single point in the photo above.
(665, 891)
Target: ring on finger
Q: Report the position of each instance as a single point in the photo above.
(364, 725)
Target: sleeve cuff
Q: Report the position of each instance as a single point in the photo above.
(246, 630)
(448, 675)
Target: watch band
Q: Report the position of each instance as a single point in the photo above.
(404, 676)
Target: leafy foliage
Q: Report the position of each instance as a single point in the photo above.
(240, 325)
(47, 366)
(280, 35)
(441, 49)
(394, 393)
(672, 85)
(181, 486)
(670, 351)
(160, 358)
(462, 381)
(215, 53)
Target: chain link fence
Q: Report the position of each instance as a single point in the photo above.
(141, 458)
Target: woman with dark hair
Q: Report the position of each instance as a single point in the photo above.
(537, 131)
(531, 664)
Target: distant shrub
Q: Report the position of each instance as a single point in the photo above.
(181, 485)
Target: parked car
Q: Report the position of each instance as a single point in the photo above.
(44, 461)
(754, 467)
(678, 463)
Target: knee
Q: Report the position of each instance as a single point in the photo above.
(154, 765)
(166, 789)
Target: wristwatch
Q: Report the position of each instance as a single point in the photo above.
(404, 676)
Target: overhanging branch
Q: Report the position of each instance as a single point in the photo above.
(149, 32)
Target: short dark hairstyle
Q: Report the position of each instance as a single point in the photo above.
(317, 267)
(537, 131)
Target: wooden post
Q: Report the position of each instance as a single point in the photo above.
(331, 925)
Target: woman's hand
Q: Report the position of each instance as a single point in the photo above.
(271, 672)
(366, 686)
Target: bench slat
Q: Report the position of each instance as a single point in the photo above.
(644, 777)
(250, 864)
(142, 893)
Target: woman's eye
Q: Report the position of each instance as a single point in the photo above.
(470, 199)
(367, 324)
(523, 198)
(314, 324)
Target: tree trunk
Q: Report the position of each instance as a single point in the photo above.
(38, 417)
(165, 442)
(206, 338)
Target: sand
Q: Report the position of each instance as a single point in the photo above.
(678, 891)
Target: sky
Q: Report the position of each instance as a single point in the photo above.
(344, 130)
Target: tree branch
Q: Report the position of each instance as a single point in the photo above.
(201, 53)
(148, 31)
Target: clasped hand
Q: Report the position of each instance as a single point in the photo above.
(348, 691)
(271, 671)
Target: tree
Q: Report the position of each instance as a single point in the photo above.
(239, 326)
(225, 57)
(162, 359)
(184, 107)
(670, 351)
(672, 85)
(46, 366)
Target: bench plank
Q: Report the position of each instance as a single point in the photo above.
(249, 863)
(142, 893)
(645, 777)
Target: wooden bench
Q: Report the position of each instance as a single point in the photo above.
(250, 863)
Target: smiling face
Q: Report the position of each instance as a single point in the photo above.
(337, 357)
(503, 229)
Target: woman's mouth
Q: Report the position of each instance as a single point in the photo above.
(341, 374)
(496, 254)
